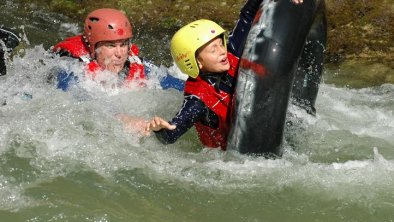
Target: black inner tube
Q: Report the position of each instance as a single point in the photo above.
(8, 41)
(267, 71)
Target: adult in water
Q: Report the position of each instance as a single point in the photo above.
(106, 45)
(8, 41)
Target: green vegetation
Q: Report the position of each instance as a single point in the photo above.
(357, 29)
(361, 31)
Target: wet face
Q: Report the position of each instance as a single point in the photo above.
(212, 57)
(112, 55)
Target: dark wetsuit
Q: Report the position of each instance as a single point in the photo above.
(8, 41)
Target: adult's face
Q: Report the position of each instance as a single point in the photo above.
(112, 55)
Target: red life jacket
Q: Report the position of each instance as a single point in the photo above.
(219, 103)
(78, 49)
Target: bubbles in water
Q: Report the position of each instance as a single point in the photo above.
(343, 153)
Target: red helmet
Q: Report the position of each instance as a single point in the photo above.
(106, 25)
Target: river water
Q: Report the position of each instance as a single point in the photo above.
(66, 157)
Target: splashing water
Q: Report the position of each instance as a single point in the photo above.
(64, 156)
(55, 144)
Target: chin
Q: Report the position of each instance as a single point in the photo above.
(224, 69)
(116, 69)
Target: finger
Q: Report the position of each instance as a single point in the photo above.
(153, 124)
(167, 125)
(146, 133)
(147, 128)
(159, 121)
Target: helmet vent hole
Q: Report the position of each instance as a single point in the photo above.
(94, 19)
(188, 63)
(110, 27)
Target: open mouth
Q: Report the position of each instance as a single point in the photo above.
(224, 61)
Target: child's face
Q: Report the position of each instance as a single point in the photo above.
(212, 57)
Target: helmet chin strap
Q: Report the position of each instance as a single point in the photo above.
(85, 39)
(128, 46)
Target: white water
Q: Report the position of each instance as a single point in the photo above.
(344, 153)
(65, 157)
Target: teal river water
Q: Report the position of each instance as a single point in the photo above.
(65, 157)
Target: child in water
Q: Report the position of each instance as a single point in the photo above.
(200, 50)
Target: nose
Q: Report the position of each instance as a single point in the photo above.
(223, 49)
(118, 50)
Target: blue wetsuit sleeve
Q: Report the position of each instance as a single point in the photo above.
(169, 81)
(238, 36)
(193, 110)
(65, 80)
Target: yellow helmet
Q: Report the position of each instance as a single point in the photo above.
(187, 40)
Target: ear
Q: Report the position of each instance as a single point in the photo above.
(199, 63)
